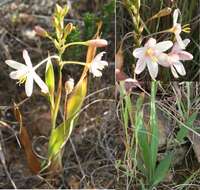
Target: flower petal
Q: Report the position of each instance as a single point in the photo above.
(15, 65)
(29, 85)
(163, 46)
(175, 16)
(140, 66)
(139, 52)
(184, 55)
(180, 68)
(18, 74)
(174, 72)
(40, 82)
(163, 59)
(99, 56)
(97, 73)
(180, 41)
(177, 47)
(27, 58)
(150, 43)
(153, 68)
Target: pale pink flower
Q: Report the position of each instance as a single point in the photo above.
(149, 55)
(174, 58)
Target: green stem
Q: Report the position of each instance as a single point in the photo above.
(73, 62)
(76, 43)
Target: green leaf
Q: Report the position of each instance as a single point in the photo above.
(50, 79)
(153, 127)
(183, 132)
(162, 169)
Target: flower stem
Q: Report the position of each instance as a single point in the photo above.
(73, 62)
(45, 60)
(75, 43)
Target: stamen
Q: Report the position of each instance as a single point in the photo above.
(22, 80)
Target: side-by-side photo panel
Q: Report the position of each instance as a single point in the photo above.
(159, 40)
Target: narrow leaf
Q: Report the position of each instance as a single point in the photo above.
(162, 169)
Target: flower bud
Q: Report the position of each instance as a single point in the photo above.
(97, 42)
(40, 31)
(68, 28)
(69, 85)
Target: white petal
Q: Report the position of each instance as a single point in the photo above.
(186, 42)
(40, 82)
(174, 72)
(150, 43)
(15, 64)
(99, 56)
(102, 64)
(175, 16)
(180, 68)
(163, 46)
(139, 52)
(29, 85)
(140, 66)
(27, 59)
(153, 68)
(18, 74)
(180, 41)
(97, 73)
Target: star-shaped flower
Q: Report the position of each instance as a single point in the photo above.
(149, 55)
(26, 73)
(98, 65)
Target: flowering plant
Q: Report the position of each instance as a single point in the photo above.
(153, 54)
(73, 94)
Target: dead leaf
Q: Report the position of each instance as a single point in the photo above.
(25, 141)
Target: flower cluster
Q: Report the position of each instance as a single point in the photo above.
(26, 73)
(154, 53)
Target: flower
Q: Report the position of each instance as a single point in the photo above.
(177, 29)
(174, 58)
(26, 73)
(97, 65)
(149, 55)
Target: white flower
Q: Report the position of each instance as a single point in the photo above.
(26, 73)
(97, 65)
(149, 55)
(177, 29)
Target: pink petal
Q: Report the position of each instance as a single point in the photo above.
(184, 55)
